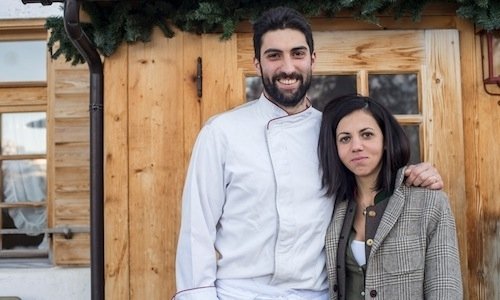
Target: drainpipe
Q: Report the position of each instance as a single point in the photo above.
(89, 53)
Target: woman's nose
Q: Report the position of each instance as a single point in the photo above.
(356, 144)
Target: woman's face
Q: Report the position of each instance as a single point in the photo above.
(360, 144)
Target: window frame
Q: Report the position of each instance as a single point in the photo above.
(21, 97)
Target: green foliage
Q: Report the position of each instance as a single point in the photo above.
(115, 22)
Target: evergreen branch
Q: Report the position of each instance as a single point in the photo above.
(115, 22)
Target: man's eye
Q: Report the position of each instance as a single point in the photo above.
(300, 54)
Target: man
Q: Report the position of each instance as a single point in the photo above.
(254, 212)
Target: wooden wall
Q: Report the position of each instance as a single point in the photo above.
(151, 119)
(482, 170)
(68, 159)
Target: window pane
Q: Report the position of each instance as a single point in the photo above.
(23, 133)
(398, 92)
(323, 88)
(23, 61)
(253, 87)
(326, 87)
(412, 131)
(24, 183)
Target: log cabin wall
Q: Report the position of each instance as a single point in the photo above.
(152, 116)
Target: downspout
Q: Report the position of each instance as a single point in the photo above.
(89, 53)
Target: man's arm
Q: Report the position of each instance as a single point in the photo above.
(202, 201)
(424, 175)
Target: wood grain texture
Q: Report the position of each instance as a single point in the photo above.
(116, 192)
(68, 158)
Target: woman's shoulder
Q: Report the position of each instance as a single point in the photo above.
(424, 198)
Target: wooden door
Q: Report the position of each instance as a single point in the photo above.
(428, 60)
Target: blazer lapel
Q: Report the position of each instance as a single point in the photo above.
(391, 214)
(332, 238)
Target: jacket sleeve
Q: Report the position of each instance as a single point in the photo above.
(202, 202)
(442, 263)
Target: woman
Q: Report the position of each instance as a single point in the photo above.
(386, 240)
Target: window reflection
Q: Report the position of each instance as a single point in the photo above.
(23, 133)
(323, 88)
(398, 92)
(23, 61)
(412, 131)
(24, 181)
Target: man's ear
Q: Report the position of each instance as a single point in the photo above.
(313, 59)
(256, 63)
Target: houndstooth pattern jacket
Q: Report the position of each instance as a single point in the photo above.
(414, 254)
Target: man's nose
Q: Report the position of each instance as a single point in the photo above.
(288, 66)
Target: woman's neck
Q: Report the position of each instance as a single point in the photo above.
(365, 193)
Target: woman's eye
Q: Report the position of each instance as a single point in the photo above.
(344, 139)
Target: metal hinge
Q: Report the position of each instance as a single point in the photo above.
(199, 78)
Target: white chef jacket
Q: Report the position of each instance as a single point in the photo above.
(253, 194)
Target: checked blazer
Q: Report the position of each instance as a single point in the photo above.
(414, 254)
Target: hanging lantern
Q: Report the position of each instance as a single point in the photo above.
(490, 51)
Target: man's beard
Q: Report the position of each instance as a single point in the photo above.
(279, 97)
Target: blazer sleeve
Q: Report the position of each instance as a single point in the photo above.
(442, 263)
(202, 203)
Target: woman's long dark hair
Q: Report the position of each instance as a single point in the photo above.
(339, 180)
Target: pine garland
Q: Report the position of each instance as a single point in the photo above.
(114, 22)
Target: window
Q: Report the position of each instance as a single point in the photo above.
(398, 92)
(23, 156)
(323, 88)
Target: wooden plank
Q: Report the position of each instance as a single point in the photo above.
(72, 209)
(70, 81)
(434, 16)
(156, 170)
(191, 101)
(340, 52)
(222, 84)
(116, 193)
(22, 96)
(75, 251)
(75, 105)
(72, 179)
(74, 130)
(22, 29)
(443, 125)
(69, 157)
(481, 121)
(473, 97)
(72, 155)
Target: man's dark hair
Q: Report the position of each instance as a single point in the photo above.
(280, 18)
(339, 180)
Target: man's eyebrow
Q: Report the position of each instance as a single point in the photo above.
(273, 50)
